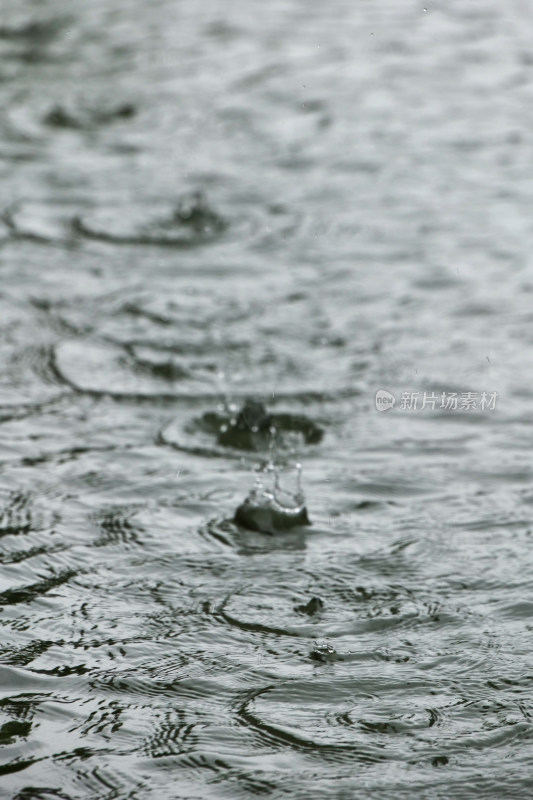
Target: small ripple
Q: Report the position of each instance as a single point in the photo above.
(190, 224)
(21, 656)
(305, 726)
(135, 684)
(249, 613)
(103, 781)
(38, 358)
(224, 433)
(104, 722)
(26, 594)
(255, 608)
(16, 517)
(23, 410)
(337, 717)
(41, 793)
(173, 735)
(20, 392)
(87, 118)
(117, 527)
(249, 542)
(42, 224)
(21, 514)
(17, 556)
(102, 369)
(21, 707)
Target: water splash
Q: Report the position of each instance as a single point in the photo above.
(252, 428)
(323, 651)
(273, 509)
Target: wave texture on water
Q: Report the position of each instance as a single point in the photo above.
(222, 232)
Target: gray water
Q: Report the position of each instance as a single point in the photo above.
(365, 223)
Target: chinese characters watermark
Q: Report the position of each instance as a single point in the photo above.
(437, 401)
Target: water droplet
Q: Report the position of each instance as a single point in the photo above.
(323, 652)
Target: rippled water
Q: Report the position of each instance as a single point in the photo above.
(303, 203)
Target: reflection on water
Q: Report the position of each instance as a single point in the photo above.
(223, 232)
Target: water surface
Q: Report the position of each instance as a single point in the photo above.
(305, 203)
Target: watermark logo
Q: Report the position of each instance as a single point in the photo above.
(442, 401)
(384, 400)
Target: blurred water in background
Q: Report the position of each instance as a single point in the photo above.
(307, 203)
